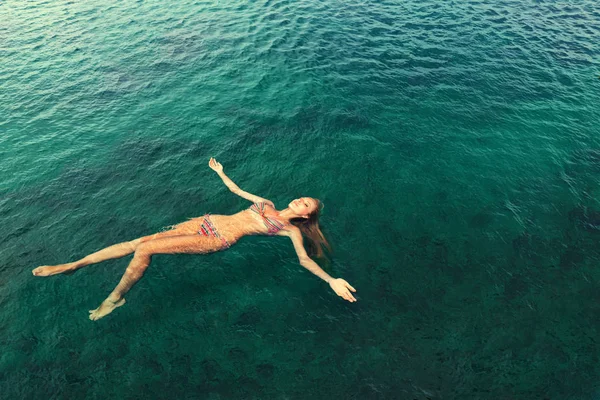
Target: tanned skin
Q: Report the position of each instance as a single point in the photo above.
(184, 239)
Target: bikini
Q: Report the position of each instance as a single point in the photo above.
(272, 224)
(208, 229)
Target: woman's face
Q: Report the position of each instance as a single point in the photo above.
(303, 206)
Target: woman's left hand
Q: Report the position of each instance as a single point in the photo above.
(342, 289)
(215, 165)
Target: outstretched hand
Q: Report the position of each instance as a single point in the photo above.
(342, 289)
(215, 165)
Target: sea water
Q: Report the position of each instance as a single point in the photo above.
(455, 146)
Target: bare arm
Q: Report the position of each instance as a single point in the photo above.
(339, 286)
(218, 168)
(304, 259)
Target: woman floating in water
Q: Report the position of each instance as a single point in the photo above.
(212, 233)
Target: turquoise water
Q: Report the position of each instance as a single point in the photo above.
(455, 146)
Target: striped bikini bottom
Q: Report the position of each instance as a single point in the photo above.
(208, 229)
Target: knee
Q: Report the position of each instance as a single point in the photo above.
(141, 258)
(142, 250)
(135, 273)
(134, 243)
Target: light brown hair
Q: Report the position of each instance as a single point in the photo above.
(310, 229)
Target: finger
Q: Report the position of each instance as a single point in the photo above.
(348, 296)
(350, 287)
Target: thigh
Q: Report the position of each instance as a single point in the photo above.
(183, 244)
(187, 228)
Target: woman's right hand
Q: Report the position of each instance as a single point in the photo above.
(215, 165)
(342, 289)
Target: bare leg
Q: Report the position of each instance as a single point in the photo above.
(189, 244)
(115, 251)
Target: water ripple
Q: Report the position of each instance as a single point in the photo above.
(467, 133)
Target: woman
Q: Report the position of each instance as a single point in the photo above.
(213, 233)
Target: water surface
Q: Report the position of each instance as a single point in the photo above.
(455, 146)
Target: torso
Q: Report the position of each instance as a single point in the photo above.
(244, 223)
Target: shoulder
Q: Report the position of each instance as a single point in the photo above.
(290, 231)
(267, 203)
(262, 204)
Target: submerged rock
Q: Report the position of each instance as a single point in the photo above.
(586, 217)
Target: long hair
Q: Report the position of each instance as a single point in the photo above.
(310, 230)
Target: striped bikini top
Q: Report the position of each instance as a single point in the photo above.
(272, 224)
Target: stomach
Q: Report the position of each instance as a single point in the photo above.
(233, 227)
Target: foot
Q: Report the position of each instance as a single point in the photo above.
(105, 308)
(48, 270)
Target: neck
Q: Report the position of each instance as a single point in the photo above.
(288, 214)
